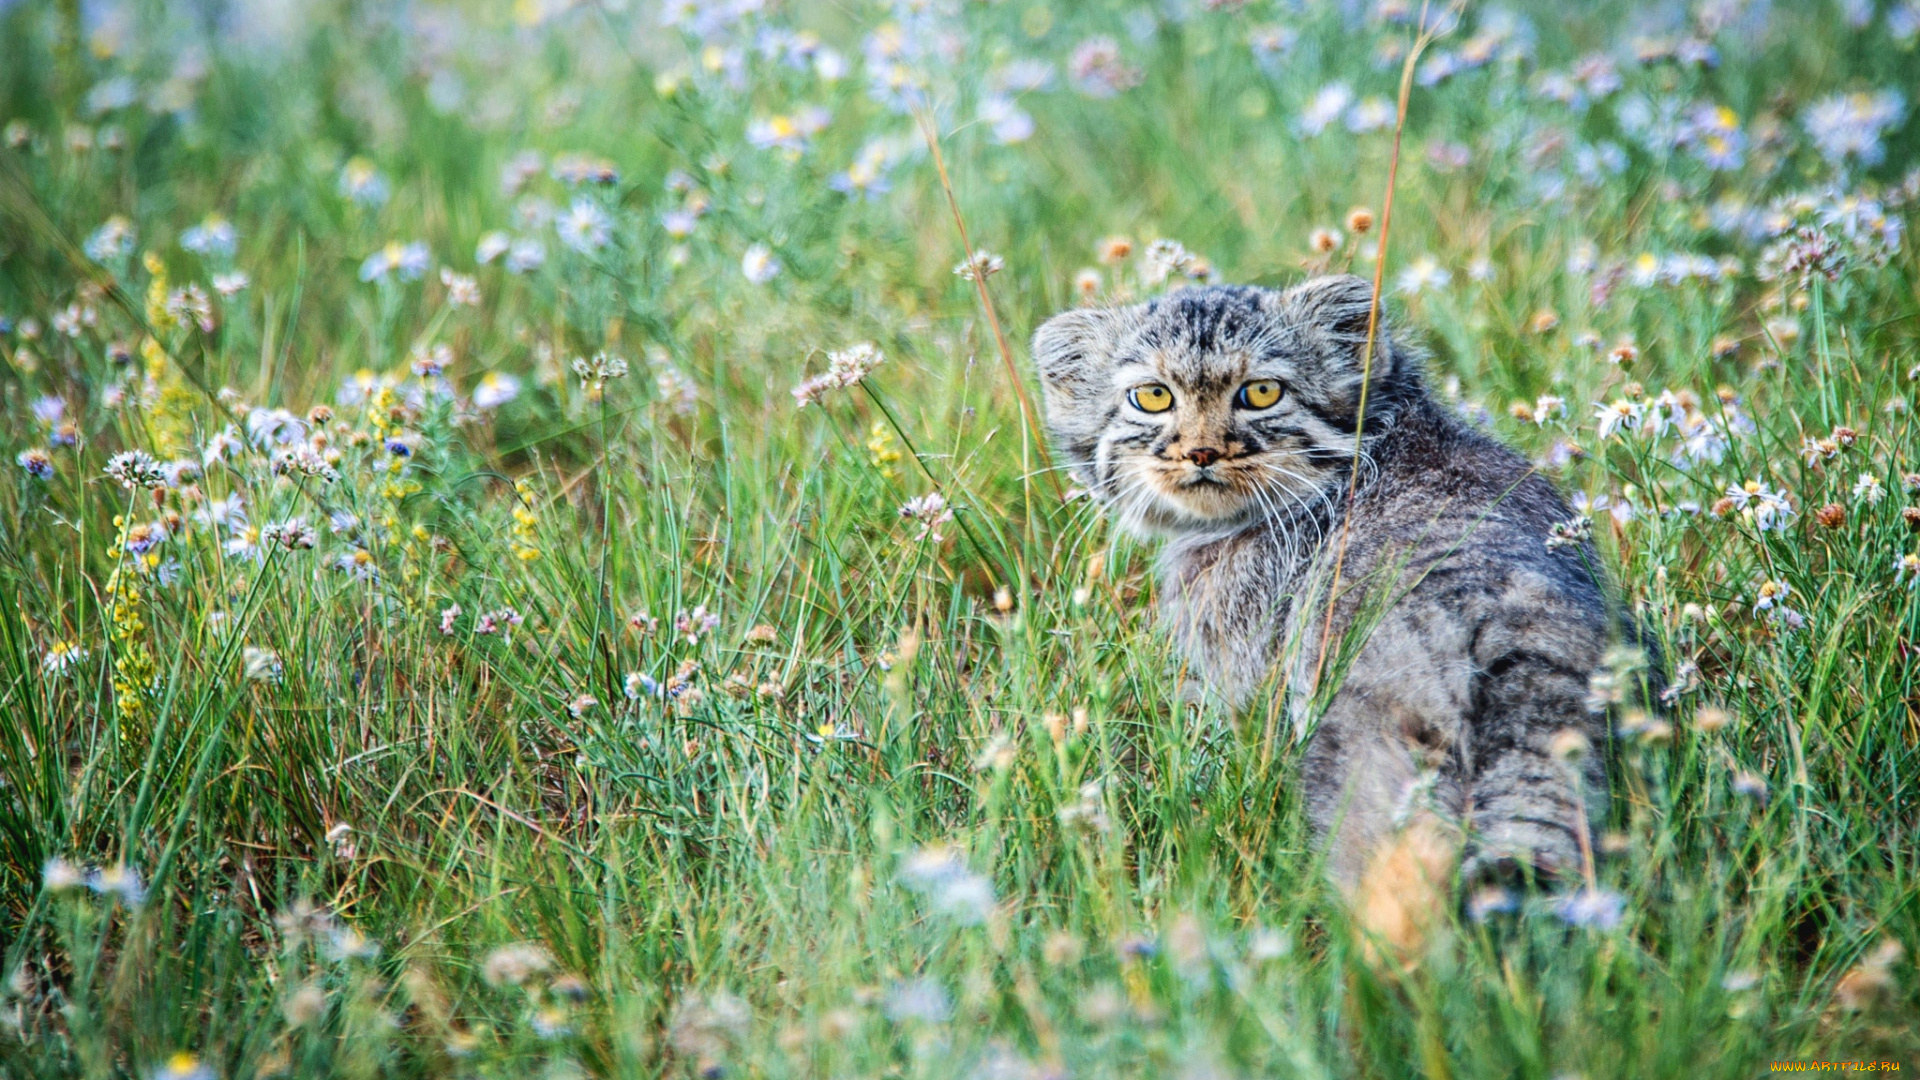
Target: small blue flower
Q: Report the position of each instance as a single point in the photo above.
(1600, 909)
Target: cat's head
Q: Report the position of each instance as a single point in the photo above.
(1211, 407)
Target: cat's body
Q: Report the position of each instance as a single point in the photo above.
(1461, 643)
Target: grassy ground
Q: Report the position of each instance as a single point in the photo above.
(474, 716)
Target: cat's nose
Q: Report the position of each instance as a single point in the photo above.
(1203, 456)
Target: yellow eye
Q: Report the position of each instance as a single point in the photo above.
(1151, 398)
(1259, 394)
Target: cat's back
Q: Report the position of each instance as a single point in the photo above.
(1454, 518)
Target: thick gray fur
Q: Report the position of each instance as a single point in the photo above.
(1472, 641)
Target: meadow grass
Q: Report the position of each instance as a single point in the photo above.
(382, 693)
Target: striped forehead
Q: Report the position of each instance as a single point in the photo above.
(1208, 340)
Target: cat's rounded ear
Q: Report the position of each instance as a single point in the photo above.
(1339, 306)
(1073, 349)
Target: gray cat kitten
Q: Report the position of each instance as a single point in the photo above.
(1223, 419)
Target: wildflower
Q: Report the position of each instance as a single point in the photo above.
(705, 1027)
(305, 1006)
(136, 469)
(1326, 106)
(189, 304)
(1622, 415)
(37, 463)
(1704, 440)
(1371, 114)
(792, 134)
(516, 965)
(345, 943)
(920, 999)
(581, 705)
(577, 169)
(1906, 568)
(1769, 594)
(691, 625)
(213, 237)
(462, 289)
(1097, 69)
(1712, 133)
(293, 534)
(596, 373)
(491, 246)
(302, 461)
(931, 511)
(1164, 258)
(759, 264)
(74, 320)
(120, 882)
(983, 264)
(231, 283)
(1113, 249)
(1423, 274)
(245, 543)
(495, 389)
(1547, 407)
(62, 656)
(357, 564)
(585, 227)
(430, 363)
(675, 389)
(941, 875)
(1087, 814)
(845, 368)
(362, 183)
(57, 875)
(408, 262)
(1868, 489)
(183, 1066)
(1599, 909)
(449, 615)
(261, 665)
(1804, 254)
(114, 239)
(1009, 123)
(142, 537)
(1087, 284)
(1324, 241)
(525, 256)
(1751, 786)
(637, 686)
(1830, 516)
(1770, 509)
(1847, 127)
(642, 623)
(490, 622)
(1813, 451)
